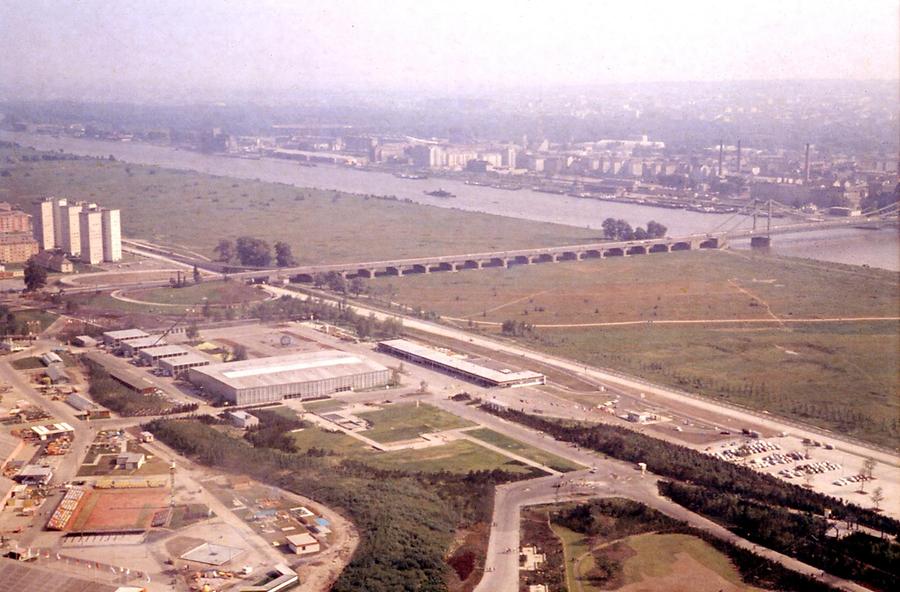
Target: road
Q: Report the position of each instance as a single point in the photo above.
(659, 394)
(502, 566)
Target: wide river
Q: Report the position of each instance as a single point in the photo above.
(876, 248)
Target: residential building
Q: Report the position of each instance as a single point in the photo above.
(112, 235)
(12, 220)
(54, 261)
(17, 247)
(91, 234)
(70, 228)
(43, 231)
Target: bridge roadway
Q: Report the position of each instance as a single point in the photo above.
(810, 226)
(451, 263)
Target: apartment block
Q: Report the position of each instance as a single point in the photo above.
(70, 228)
(91, 235)
(112, 235)
(44, 230)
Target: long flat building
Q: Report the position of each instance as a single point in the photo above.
(152, 354)
(177, 365)
(303, 375)
(460, 366)
(117, 337)
(131, 347)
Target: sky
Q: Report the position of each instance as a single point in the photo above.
(206, 48)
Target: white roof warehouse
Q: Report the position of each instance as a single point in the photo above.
(303, 375)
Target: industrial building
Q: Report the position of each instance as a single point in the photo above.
(462, 367)
(177, 365)
(131, 347)
(114, 338)
(303, 375)
(127, 377)
(148, 356)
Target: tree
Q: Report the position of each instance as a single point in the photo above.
(283, 255)
(877, 497)
(253, 251)
(640, 234)
(656, 230)
(225, 250)
(35, 276)
(239, 353)
(357, 285)
(192, 332)
(197, 276)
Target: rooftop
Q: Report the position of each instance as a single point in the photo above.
(460, 364)
(187, 359)
(162, 350)
(302, 367)
(125, 334)
(149, 341)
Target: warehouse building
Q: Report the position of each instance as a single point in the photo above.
(114, 338)
(149, 355)
(303, 375)
(132, 346)
(177, 365)
(477, 372)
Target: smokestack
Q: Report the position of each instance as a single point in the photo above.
(721, 155)
(806, 166)
(739, 157)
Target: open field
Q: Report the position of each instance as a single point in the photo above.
(215, 293)
(530, 452)
(680, 563)
(118, 509)
(678, 286)
(405, 421)
(324, 406)
(460, 456)
(840, 375)
(192, 211)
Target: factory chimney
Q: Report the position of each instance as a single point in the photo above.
(721, 156)
(806, 166)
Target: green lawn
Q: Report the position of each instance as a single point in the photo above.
(574, 546)
(35, 320)
(460, 456)
(336, 442)
(324, 406)
(323, 226)
(530, 452)
(216, 293)
(405, 421)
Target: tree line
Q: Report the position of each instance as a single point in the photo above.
(686, 464)
(254, 252)
(618, 229)
(295, 309)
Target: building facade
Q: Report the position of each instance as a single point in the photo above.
(91, 235)
(112, 235)
(17, 247)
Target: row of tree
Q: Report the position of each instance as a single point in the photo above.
(254, 252)
(295, 309)
(618, 229)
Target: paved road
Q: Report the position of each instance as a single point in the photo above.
(502, 566)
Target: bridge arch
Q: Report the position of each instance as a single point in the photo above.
(614, 252)
(542, 258)
(637, 250)
(681, 246)
(659, 248)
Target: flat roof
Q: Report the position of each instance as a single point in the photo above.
(150, 341)
(300, 367)
(163, 350)
(187, 359)
(125, 334)
(459, 363)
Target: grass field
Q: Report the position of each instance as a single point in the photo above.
(324, 406)
(841, 376)
(460, 456)
(37, 320)
(575, 545)
(530, 452)
(680, 563)
(193, 211)
(216, 293)
(404, 421)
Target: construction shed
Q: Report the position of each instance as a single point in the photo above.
(148, 356)
(133, 346)
(301, 375)
(177, 365)
(57, 374)
(115, 338)
(84, 341)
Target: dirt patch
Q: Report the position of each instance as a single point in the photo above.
(111, 509)
(178, 546)
(536, 532)
(466, 558)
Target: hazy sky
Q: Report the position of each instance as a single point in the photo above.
(143, 48)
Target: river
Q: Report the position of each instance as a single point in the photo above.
(876, 248)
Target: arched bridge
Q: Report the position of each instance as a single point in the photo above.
(453, 263)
